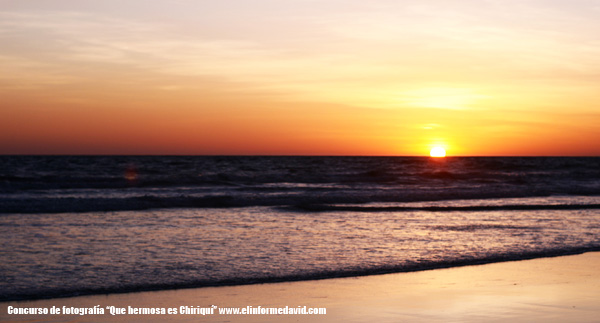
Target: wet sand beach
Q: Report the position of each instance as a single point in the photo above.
(559, 289)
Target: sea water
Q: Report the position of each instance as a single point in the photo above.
(72, 225)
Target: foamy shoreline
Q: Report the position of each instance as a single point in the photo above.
(563, 289)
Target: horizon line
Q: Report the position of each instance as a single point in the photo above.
(281, 155)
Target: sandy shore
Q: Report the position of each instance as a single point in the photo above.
(550, 289)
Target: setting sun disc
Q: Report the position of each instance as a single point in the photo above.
(437, 152)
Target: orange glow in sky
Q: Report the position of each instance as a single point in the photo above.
(300, 77)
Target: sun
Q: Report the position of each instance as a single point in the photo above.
(437, 152)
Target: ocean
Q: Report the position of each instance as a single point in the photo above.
(76, 225)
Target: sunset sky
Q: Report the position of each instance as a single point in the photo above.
(300, 77)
